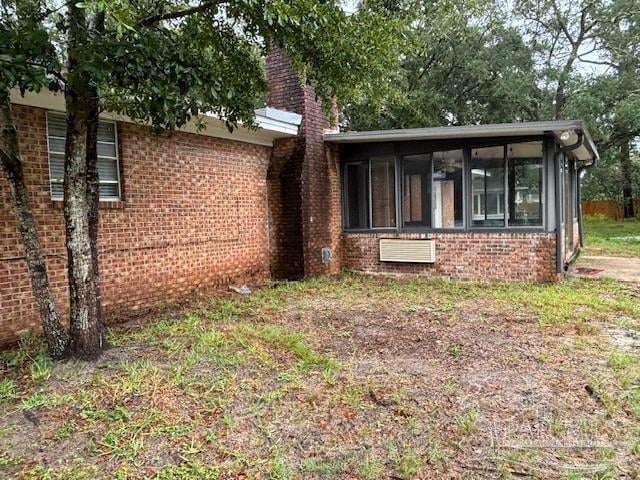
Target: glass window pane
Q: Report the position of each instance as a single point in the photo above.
(568, 208)
(447, 189)
(109, 190)
(383, 192)
(56, 166)
(525, 184)
(57, 125)
(416, 190)
(57, 190)
(107, 169)
(107, 150)
(106, 132)
(357, 194)
(487, 186)
(56, 145)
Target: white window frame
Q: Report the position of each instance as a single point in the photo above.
(478, 203)
(116, 159)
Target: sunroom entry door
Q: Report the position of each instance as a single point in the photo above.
(416, 190)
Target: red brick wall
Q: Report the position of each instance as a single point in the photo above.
(469, 256)
(285, 174)
(194, 216)
(285, 210)
(321, 210)
(311, 169)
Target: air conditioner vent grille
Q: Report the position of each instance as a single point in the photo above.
(410, 251)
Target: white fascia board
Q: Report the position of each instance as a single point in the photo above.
(274, 125)
(269, 129)
(280, 115)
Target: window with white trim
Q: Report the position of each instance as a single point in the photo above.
(108, 164)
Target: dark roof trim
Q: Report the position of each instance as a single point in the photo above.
(587, 152)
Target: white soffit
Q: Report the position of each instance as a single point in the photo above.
(272, 123)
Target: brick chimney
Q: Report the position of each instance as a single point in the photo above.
(303, 182)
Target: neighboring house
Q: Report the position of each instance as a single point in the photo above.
(184, 213)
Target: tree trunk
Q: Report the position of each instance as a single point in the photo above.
(81, 197)
(627, 185)
(55, 335)
(560, 101)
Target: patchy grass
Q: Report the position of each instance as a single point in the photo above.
(576, 302)
(349, 378)
(608, 237)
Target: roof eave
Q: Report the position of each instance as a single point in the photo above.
(272, 123)
(556, 127)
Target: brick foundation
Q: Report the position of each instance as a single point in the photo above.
(469, 256)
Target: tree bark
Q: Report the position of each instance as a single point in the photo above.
(81, 197)
(560, 98)
(55, 335)
(627, 185)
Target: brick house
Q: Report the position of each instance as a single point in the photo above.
(183, 213)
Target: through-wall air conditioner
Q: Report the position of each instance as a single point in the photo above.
(410, 251)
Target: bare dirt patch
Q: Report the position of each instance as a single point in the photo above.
(355, 378)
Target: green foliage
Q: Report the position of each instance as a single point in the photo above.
(464, 64)
(67, 429)
(288, 341)
(370, 469)
(279, 470)
(468, 422)
(484, 61)
(602, 182)
(7, 389)
(455, 350)
(166, 63)
(28, 58)
(323, 469)
(41, 368)
(409, 462)
(37, 400)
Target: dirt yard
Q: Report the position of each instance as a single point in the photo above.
(351, 378)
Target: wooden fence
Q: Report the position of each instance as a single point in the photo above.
(608, 208)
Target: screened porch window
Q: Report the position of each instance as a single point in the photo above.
(357, 195)
(507, 185)
(108, 165)
(383, 192)
(504, 188)
(448, 210)
(487, 186)
(370, 200)
(525, 184)
(416, 190)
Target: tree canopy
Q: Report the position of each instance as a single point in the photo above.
(163, 63)
(484, 61)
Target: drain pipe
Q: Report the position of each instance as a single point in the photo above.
(579, 171)
(583, 168)
(560, 265)
(556, 167)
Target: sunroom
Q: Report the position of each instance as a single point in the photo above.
(474, 202)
